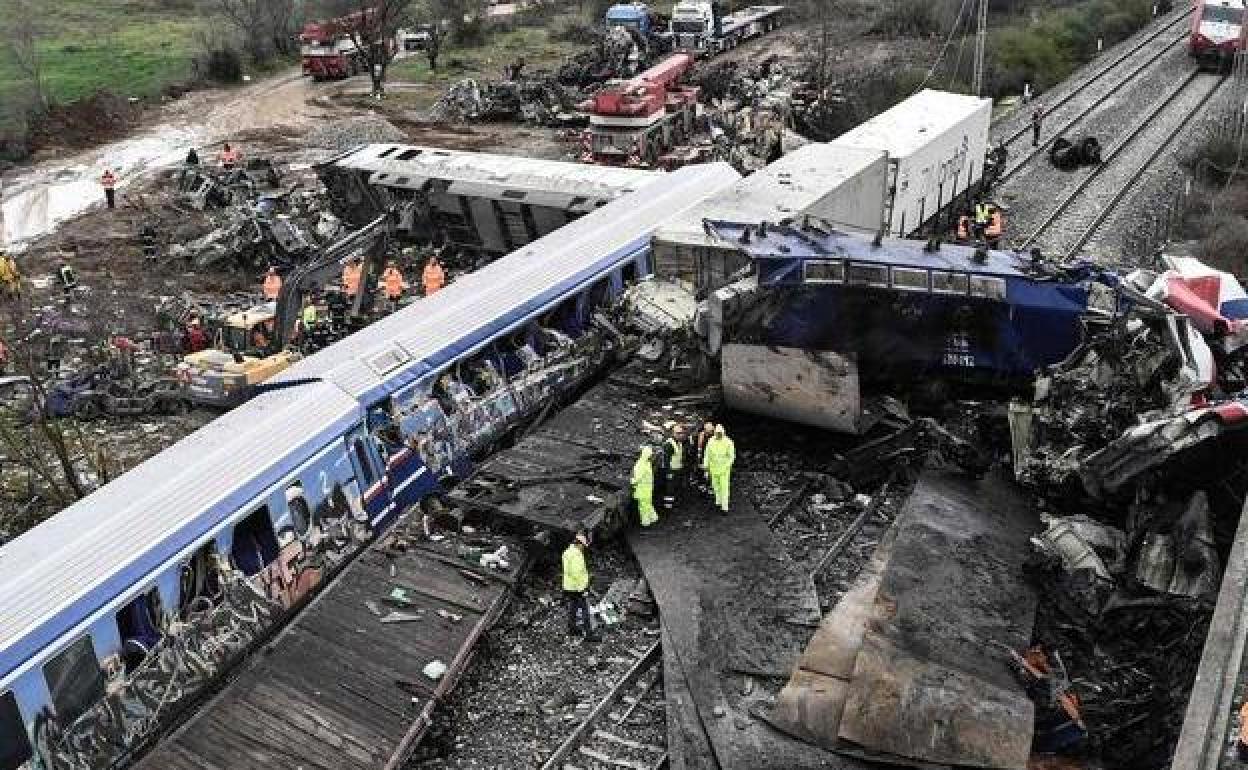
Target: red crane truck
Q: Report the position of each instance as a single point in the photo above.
(328, 50)
(633, 122)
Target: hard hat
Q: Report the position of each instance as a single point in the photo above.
(719, 430)
(582, 538)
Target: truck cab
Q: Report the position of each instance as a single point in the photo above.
(692, 25)
(632, 16)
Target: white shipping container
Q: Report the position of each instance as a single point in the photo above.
(844, 186)
(936, 143)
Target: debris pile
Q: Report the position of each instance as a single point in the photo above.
(539, 100)
(615, 53)
(346, 133)
(1068, 155)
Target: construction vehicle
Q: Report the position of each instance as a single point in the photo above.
(330, 51)
(701, 28)
(253, 345)
(635, 121)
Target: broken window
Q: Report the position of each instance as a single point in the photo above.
(987, 286)
(909, 279)
(365, 463)
(300, 513)
(139, 625)
(14, 742)
(75, 680)
(255, 545)
(518, 195)
(408, 154)
(823, 271)
(868, 275)
(950, 283)
(199, 581)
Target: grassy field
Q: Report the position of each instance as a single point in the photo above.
(535, 44)
(131, 47)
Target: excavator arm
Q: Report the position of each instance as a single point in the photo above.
(370, 242)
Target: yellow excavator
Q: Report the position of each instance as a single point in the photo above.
(254, 345)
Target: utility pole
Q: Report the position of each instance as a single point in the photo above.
(981, 37)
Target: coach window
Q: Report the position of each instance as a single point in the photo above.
(909, 279)
(15, 748)
(949, 283)
(75, 680)
(255, 545)
(868, 275)
(199, 582)
(139, 625)
(300, 514)
(987, 286)
(365, 461)
(628, 274)
(823, 271)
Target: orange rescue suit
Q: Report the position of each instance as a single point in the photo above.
(393, 281)
(351, 278)
(272, 285)
(433, 277)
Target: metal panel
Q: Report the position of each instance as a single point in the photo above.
(807, 386)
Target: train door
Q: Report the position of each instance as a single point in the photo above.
(407, 477)
(370, 472)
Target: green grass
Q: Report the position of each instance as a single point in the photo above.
(131, 47)
(487, 60)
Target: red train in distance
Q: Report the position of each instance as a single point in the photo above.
(1217, 32)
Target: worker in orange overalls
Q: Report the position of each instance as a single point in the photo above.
(434, 277)
(109, 182)
(996, 224)
(352, 272)
(272, 284)
(392, 283)
(229, 156)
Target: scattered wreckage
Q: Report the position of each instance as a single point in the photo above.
(539, 100)
(1066, 154)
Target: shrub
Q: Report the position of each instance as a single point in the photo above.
(908, 18)
(222, 65)
(1226, 247)
(1213, 158)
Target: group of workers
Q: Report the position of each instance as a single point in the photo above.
(229, 158)
(714, 453)
(984, 223)
(391, 286)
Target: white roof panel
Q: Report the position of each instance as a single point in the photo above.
(912, 124)
(783, 189)
(403, 165)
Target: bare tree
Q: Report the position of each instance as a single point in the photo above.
(372, 26)
(20, 27)
(267, 26)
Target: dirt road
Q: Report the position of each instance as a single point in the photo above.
(34, 200)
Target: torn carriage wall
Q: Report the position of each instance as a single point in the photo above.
(837, 308)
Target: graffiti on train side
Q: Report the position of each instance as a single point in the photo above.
(232, 614)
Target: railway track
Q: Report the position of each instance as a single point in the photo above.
(1080, 90)
(1083, 209)
(1073, 108)
(614, 734)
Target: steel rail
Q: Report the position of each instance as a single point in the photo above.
(1088, 110)
(1105, 71)
(1108, 159)
(1126, 186)
(570, 744)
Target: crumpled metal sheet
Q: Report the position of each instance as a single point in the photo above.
(913, 671)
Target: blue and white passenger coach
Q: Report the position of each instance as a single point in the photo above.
(119, 611)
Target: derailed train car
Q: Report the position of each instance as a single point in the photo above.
(825, 314)
(121, 611)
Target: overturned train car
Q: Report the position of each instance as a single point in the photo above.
(124, 609)
(491, 204)
(825, 314)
